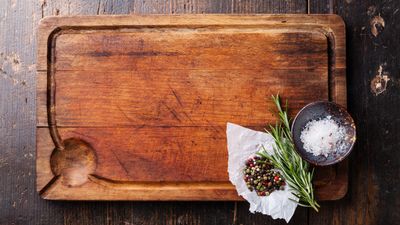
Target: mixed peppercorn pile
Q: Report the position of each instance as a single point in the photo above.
(261, 178)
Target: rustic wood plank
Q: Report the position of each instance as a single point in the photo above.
(142, 49)
(132, 164)
(171, 92)
(245, 217)
(260, 6)
(79, 7)
(171, 213)
(191, 81)
(320, 6)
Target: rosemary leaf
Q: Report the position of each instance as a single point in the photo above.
(285, 158)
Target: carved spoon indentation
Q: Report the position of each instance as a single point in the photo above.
(74, 163)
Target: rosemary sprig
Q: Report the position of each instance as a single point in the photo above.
(293, 168)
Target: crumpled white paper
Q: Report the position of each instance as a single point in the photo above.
(243, 143)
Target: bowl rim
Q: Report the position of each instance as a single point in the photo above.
(352, 122)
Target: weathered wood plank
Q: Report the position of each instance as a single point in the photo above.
(169, 97)
(260, 6)
(320, 6)
(374, 57)
(243, 216)
(132, 164)
(186, 82)
(145, 50)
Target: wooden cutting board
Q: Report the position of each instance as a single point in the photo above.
(135, 107)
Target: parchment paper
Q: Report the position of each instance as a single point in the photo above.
(243, 143)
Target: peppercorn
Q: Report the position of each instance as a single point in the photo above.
(260, 176)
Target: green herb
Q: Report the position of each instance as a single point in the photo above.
(293, 168)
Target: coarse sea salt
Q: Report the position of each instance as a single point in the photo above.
(323, 137)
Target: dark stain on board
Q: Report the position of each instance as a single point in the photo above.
(135, 53)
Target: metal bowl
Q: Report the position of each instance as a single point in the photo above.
(316, 111)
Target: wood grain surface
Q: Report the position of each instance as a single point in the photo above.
(374, 171)
(151, 96)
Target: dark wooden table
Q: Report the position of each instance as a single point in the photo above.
(373, 59)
